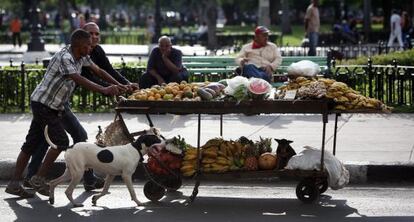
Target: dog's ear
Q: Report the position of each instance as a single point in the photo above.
(277, 140)
(289, 141)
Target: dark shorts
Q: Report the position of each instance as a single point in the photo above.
(42, 116)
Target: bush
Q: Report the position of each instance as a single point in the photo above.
(403, 58)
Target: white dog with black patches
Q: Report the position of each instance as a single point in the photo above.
(115, 160)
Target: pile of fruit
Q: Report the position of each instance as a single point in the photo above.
(345, 97)
(219, 155)
(179, 92)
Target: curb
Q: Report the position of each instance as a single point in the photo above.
(360, 173)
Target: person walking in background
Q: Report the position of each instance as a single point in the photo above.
(259, 58)
(16, 28)
(150, 23)
(395, 32)
(312, 25)
(164, 65)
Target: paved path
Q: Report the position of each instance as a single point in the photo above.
(363, 139)
(131, 53)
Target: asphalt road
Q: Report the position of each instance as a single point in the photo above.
(221, 202)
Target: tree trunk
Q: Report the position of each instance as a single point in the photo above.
(367, 19)
(263, 15)
(386, 7)
(211, 19)
(286, 27)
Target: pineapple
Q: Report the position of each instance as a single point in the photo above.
(250, 163)
(264, 146)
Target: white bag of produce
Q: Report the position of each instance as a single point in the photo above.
(310, 159)
(303, 68)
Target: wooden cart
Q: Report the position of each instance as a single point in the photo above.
(311, 183)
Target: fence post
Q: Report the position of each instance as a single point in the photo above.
(23, 89)
(370, 76)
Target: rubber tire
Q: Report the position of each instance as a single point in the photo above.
(173, 183)
(153, 191)
(323, 186)
(307, 191)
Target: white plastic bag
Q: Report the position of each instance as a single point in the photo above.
(303, 68)
(310, 159)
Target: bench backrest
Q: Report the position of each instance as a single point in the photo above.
(215, 68)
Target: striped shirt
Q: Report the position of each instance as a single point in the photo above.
(56, 87)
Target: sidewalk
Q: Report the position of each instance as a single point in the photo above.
(374, 147)
(114, 52)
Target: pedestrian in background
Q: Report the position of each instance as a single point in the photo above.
(16, 28)
(395, 29)
(312, 25)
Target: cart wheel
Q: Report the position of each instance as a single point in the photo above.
(173, 183)
(153, 191)
(307, 191)
(322, 185)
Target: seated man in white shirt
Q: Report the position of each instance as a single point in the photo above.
(259, 58)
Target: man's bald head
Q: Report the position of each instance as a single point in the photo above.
(164, 43)
(93, 29)
(164, 40)
(90, 25)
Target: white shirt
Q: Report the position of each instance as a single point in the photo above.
(395, 23)
(261, 57)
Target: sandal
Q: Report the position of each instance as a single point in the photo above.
(39, 184)
(19, 191)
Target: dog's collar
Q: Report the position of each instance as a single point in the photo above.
(139, 148)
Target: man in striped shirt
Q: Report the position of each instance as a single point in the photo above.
(47, 104)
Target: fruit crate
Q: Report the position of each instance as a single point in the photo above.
(311, 183)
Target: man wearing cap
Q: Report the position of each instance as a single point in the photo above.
(312, 25)
(259, 58)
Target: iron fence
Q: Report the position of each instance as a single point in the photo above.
(392, 84)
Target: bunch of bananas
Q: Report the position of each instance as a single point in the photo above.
(217, 156)
(345, 97)
(189, 163)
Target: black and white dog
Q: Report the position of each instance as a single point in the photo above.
(115, 160)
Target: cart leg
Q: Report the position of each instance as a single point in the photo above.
(198, 171)
(195, 191)
(325, 120)
(149, 120)
(335, 131)
(221, 125)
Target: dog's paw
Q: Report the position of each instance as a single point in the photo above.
(51, 200)
(94, 199)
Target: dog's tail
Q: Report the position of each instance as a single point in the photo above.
(51, 144)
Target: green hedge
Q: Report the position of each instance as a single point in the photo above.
(403, 58)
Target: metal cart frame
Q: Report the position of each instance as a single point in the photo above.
(312, 182)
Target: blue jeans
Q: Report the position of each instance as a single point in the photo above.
(72, 125)
(313, 42)
(251, 70)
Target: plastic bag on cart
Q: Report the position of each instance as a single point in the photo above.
(310, 159)
(303, 68)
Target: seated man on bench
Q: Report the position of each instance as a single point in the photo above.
(259, 58)
(164, 65)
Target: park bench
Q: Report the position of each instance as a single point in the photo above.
(214, 68)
